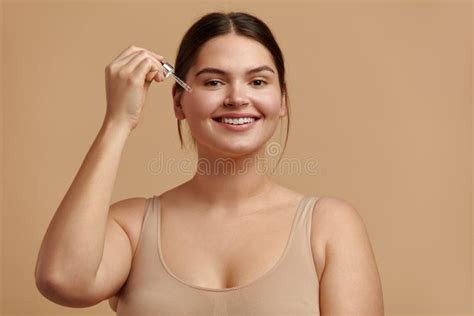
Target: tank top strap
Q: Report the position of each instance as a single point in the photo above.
(302, 230)
(147, 232)
(304, 216)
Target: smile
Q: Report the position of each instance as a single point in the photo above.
(236, 121)
(237, 124)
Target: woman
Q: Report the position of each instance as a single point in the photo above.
(229, 241)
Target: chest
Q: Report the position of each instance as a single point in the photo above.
(223, 253)
(216, 253)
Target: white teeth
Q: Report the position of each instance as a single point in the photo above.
(239, 121)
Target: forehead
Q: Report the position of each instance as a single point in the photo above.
(233, 50)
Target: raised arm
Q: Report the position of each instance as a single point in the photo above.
(83, 239)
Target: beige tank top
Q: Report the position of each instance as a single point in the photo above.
(290, 287)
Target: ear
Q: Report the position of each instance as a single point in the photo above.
(178, 109)
(284, 107)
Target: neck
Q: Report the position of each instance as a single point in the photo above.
(231, 182)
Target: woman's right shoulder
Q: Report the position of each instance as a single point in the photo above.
(129, 214)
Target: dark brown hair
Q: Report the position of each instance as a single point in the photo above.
(217, 23)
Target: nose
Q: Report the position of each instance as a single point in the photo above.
(236, 97)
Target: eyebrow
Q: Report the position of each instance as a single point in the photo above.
(212, 70)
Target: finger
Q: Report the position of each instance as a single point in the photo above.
(127, 58)
(138, 58)
(159, 77)
(146, 69)
(152, 74)
(124, 58)
(159, 57)
(126, 52)
(134, 49)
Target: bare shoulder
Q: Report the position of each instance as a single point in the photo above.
(129, 214)
(335, 213)
(348, 255)
(331, 215)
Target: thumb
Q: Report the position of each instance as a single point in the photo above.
(147, 84)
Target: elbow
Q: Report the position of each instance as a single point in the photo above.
(63, 293)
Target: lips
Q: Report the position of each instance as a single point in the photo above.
(236, 127)
(236, 115)
(219, 119)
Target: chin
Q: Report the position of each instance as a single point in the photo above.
(234, 151)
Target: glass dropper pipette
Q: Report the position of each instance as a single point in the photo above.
(169, 71)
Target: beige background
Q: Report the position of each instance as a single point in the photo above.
(381, 98)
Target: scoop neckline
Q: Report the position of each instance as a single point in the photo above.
(282, 256)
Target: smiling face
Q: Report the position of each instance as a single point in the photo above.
(232, 75)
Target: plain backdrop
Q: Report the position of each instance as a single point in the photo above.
(380, 98)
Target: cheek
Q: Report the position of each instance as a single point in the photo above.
(201, 105)
(269, 104)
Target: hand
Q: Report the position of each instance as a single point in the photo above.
(127, 80)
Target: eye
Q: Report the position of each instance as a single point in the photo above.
(262, 82)
(211, 81)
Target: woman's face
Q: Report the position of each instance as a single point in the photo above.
(223, 84)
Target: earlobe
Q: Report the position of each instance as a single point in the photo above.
(178, 112)
(283, 111)
(283, 108)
